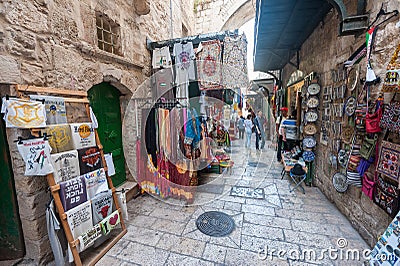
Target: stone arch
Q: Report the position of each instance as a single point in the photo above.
(239, 15)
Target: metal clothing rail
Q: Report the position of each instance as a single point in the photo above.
(196, 39)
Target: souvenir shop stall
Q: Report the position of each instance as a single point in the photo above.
(194, 86)
(78, 173)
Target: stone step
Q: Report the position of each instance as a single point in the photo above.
(131, 188)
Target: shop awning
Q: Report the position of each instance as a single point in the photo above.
(281, 27)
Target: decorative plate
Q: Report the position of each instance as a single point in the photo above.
(308, 156)
(310, 129)
(350, 106)
(352, 79)
(339, 182)
(313, 89)
(309, 142)
(311, 116)
(313, 102)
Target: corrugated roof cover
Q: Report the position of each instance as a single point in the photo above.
(281, 27)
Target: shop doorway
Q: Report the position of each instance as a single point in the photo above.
(105, 102)
(11, 236)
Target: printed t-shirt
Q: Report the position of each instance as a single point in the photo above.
(55, 109)
(66, 165)
(161, 57)
(96, 182)
(60, 138)
(89, 159)
(83, 135)
(36, 155)
(73, 192)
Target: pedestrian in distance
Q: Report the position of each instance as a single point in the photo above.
(259, 130)
(248, 125)
(240, 126)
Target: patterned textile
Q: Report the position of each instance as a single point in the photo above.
(234, 70)
(209, 65)
(23, 114)
(390, 118)
(389, 160)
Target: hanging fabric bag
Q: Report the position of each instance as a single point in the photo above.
(386, 196)
(368, 146)
(372, 121)
(392, 77)
(368, 185)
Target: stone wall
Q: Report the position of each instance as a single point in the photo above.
(324, 51)
(219, 15)
(53, 44)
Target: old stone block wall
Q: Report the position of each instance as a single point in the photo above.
(324, 51)
(53, 44)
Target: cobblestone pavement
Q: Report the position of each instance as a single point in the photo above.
(284, 228)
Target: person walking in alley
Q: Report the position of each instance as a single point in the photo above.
(281, 132)
(248, 125)
(260, 133)
(240, 126)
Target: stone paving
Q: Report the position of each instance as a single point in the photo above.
(284, 228)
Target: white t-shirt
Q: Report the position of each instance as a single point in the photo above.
(161, 57)
(248, 125)
(36, 154)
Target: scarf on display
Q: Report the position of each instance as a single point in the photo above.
(66, 165)
(23, 113)
(370, 37)
(55, 109)
(235, 62)
(60, 138)
(209, 65)
(36, 155)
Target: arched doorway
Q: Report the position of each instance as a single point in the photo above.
(105, 102)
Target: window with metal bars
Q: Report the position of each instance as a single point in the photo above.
(108, 34)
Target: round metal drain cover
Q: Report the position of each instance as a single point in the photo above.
(215, 223)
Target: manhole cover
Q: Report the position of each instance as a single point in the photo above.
(215, 223)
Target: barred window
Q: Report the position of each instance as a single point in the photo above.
(108, 34)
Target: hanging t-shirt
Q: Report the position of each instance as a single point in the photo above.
(102, 205)
(162, 84)
(55, 109)
(66, 165)
(89, 159)
(36, 155)
(73, 192)
(83, 135)
(23, 113)
(96, 182)
(60, 138)
(110, 222)
(80, 221)
(161, 57)
(184, 70)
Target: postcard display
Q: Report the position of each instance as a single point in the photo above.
(76, 171)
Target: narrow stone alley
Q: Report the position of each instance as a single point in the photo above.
(282, 228)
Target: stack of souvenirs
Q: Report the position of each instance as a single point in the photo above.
(70, 153)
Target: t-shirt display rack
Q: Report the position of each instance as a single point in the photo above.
(76, 97)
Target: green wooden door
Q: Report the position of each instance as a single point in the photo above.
(105, 103)
(11, 242)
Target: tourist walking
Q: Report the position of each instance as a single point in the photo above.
(248, 125)
(240, 126)
(259, 129)
(280, 130)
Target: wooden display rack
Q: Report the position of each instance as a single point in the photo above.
(75, 97)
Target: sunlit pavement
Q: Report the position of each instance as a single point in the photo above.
(284, 228)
